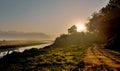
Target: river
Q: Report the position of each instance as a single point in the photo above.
(21, 49)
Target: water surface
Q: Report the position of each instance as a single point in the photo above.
(21, 49)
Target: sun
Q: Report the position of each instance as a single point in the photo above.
(81, 27)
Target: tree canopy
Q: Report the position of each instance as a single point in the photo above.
(107, 22)
(72, 30)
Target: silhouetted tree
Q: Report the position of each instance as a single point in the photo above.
(72, 30)
(93, 22)
(107, 24)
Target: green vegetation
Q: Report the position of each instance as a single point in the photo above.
(53, 58)
(65, 54)
(106, 24)
(68, 50)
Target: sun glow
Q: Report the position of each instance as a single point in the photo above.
(81, 27)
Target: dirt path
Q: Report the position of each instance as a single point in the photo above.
(98, 59)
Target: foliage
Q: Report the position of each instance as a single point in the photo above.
(107, 24)
(65, 54)
(68, 50)
(72, 30)
(76, 38)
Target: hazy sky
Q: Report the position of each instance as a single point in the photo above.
(47, 16)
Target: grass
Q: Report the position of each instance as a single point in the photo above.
(51, 58)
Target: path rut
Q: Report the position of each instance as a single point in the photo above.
(98, 59)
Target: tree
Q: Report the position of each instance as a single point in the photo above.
(93, 22)
(107, 24)
(72, 30)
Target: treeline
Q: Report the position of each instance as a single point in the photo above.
(106, 23)
(75, 38)
(103, 28)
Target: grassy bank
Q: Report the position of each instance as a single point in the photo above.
(50, 58)
(66, 54)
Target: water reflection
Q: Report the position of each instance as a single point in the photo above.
(21, 49)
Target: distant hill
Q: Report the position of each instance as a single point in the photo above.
(12, 35)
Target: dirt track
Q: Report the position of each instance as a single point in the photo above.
(98, 59)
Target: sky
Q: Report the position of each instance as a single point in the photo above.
(48, 16)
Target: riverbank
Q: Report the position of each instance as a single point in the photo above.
(21, 49)
(53, 58)
(60, 58)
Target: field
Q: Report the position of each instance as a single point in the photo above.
(20, 43)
